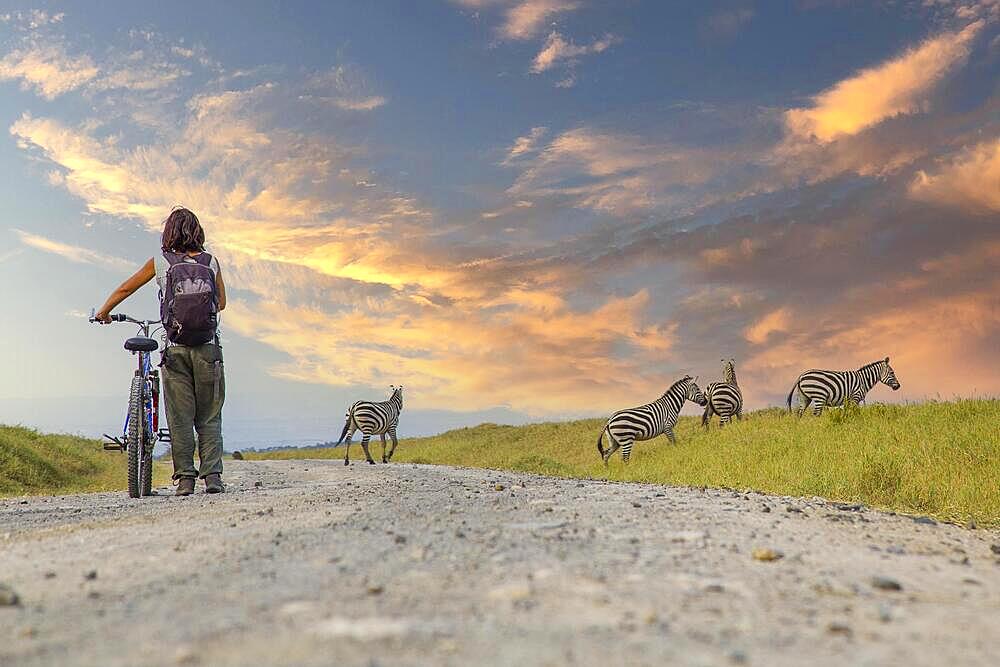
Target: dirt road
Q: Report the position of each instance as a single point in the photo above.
(312, 563)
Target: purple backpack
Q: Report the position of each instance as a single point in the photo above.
(189, 302)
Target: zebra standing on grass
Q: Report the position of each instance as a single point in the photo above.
(724, 398)
(371, 419)
(823, 388)
(650, 420)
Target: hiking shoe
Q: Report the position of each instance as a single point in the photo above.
(185, 486)
(213, 483)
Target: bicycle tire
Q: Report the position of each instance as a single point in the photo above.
(136, 432)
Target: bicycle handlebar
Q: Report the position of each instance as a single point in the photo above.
(122, 317)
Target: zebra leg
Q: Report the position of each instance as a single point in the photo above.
(384, 459)
(392, 434)
(347, 450)
(724, 420)
(627, 450)
(669, 432)
(803, 404)
(364, 446)
(818, 406)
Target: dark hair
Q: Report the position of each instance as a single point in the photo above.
(182, 232)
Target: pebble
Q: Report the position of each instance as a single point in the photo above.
(90, 576)
(886, 584)
(838, 628)
(924, 520)
(376, 589)
(258, 484)
(8, 598)
(499, 487)
(995, 548)
(765, 509)
(766, 555)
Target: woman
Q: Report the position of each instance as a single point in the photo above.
(192, 293)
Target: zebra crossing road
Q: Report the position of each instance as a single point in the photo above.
(315, 563)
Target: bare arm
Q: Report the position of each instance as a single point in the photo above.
(220, 285)
(125, 290)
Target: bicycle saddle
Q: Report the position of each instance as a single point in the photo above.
(141, 344)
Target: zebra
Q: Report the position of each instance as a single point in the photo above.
(650, 420)
(724, 398)
(823, 388)
(373, 418)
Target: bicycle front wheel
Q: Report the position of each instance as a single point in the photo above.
(135, 445)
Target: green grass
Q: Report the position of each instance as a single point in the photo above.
(32, 463)
(939, 458)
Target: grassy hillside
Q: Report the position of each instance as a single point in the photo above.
(34, 463)
(940, 459)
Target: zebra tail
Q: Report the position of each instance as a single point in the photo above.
(792, 393)
(347, 427)
(600, 449)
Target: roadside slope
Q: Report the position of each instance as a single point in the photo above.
(938, 458)
(405, 565)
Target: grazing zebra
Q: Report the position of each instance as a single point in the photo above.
(824, 388)
(371, 419)
(724, 398)
(650, 420)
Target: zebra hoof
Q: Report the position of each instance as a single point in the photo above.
(346, 462)
(370, 462)
(385, 460)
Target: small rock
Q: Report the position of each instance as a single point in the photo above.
(766, 555)
(90, 576)
(838, 628)
(8, 598)
(375, 589)
(765, 509)
(995, 548)
(924, 520)
(886, 584)
(258, 484)
(185, 655)
(94, 595)
(29, 632)
(400, 539)
(499, 487)
(50, 575)
(738, 657)
(971, 524)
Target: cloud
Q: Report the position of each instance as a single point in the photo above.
(74, 253)
(345, 87)
(773, 322)
(49, 70)
(725, 23)
(899, 86)
(525, 145)
(970, 181)
(523, 19)
(558, 50)
(614, 173)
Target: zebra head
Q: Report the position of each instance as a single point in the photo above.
(729, 370)
(397, 395)
(693, 392)
(889, 376)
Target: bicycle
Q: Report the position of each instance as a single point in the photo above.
(142, 429)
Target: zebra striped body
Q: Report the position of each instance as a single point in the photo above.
(648, 421)
(724, 398)
(823, 388)
(373, 419)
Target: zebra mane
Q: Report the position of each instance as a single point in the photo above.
(680, 385)
(874, 364)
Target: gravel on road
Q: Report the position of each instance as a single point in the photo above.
(312, 563)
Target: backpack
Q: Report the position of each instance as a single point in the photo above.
(189, 302)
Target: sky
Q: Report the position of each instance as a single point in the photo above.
(518, 209)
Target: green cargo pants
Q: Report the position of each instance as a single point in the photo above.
(194, 387)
